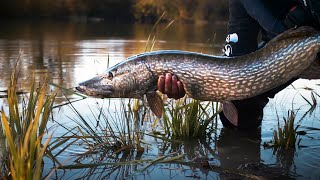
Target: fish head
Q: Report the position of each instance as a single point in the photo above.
(126, 81)
(100, 86)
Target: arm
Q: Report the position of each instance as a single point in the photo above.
(243, 30)
(266, 19)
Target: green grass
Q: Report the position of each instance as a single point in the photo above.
(285, 137)
(24, 129)
(107, 131)
(189, 118)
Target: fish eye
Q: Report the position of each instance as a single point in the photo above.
(110, 75)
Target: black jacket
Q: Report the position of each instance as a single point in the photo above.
(247, 18)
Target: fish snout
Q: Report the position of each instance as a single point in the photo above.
(102, 91)
(80, 89)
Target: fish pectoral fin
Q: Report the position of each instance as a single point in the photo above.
(230, 112)
(155, 103)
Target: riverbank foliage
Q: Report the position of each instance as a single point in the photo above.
(23, 131)
(118, 11)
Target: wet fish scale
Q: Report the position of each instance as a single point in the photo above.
(216, 78)
(288, 59)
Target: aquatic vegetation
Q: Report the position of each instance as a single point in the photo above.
(107, 131)
(285, 137)
(313, 98)
(189, 118)
(25, 132)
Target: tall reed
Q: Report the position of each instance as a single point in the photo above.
(24, 129)
(188, 118)
(285, 137)
(107, 131)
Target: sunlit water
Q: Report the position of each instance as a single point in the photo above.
(67, 53)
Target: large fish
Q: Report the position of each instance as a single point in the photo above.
(212, 78)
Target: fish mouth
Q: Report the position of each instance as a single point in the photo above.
(80, 89)
(83, 90)
(106, 92)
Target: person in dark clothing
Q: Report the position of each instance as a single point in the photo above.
(247, 19)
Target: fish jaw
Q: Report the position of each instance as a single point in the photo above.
(130, 79)
(98, 86)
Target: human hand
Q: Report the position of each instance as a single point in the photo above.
(170, 85)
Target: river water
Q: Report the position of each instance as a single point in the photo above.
(67, 53)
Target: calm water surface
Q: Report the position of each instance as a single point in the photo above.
(67, 53)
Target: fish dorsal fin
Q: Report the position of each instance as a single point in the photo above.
(303, 31)
(230, 112)
(155, 102)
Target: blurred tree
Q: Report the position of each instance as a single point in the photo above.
(184, 10)
(118, 10)
(113, 10)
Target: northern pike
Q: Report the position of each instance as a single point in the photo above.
(211, 78)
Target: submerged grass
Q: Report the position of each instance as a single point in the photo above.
(24, 130)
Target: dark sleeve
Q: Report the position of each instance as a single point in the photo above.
(243, 30)
(258, 10)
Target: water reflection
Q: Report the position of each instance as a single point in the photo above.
(68, 53)
(233, 155)
(237, 148)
